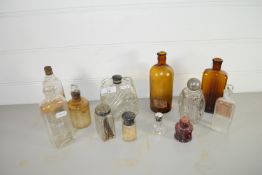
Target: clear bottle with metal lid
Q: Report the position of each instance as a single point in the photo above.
(224, 111)
(129, 126)
(159, 128)
(55, 113)
(51, 80)
(105, 125)
(192, 101)
(120, 94)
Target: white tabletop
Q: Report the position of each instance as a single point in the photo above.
(25, 148)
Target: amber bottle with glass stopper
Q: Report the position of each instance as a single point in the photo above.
(79, 109)
(213, 84)
(161, 85)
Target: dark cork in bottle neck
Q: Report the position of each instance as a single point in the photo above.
(76, 95)
(161, 57)
(217, 62)
(48, 70)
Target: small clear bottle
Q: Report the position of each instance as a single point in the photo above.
(55, 113)
(224, 111)
(79, 109)
(105, 124)
(51, 80)
(129, 126)
(184, 130)
(159, 128)
(192, 101)
(120, 94)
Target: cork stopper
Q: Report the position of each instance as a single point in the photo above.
(184, 122)
(117, 79)
(161, 53)
(217, 62)
(128, 118)
(75, 92)
(48, 70)
(102, 109)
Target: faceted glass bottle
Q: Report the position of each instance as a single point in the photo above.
(79, 109)
(161, 85)
(51, 80)
(213, 84)
(120, 94)
(224, 111)
(192, 101)
(56, 116)
(159, 128)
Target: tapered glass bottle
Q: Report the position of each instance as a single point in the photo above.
(79, 109)
(161, 85)
(55, 113)
(213, 84)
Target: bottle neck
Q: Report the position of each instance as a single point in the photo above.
(50, 96)
(217, 62)
(161, 60)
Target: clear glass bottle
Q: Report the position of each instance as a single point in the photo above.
(224, 111)
(56, 116)
(51, 80)
(120, 94)
(161, 85)
(105, 124)
(184, 130)
(213, 84)
(79, 109)
(159, 128)
(192, 101)
(129, 126)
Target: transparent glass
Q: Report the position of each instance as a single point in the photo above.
(120, 97)
(192, 104)
(161, 85)
(224, 111)
(79, 109)
(129, 132)
(158, 127)
(56, 116)
(213, 84)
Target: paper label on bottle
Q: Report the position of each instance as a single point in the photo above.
(159, 103)
(61, 114)
(108, 90)
(125, 86)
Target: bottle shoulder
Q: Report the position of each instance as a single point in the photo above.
(51, 105)
(162, 68)
(211, 71)
(83, 102)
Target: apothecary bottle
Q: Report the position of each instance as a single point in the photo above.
(224, 111)
(105, 125)
(129, 126)
(55, 113)
(159, 128)
(79, 109)
(213, 84)
(51, 80)
(161, 85)
(120, 94)
(184, 130)
(191, 101)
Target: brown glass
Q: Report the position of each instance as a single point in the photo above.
(161, 85)
(213, 84)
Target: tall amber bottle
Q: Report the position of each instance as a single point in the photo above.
(161, 85)
(213, 84)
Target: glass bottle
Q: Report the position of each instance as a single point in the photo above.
(129, 126)
(184, 130)
(161, 85)
(56, 116)
(191, 101)
(105, 124)
(159, 128)
(79, 109)
(224, 111)
(120, 94)
(213, 84)
(51, 80)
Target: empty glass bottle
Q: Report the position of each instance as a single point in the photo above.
(51, 80)
(56, 116)
(161, 85)
(129, 126)
(213, 84)
(224, 111)
(191, 101)
(79, 109)
(120, 94)
(184, 130)
(105, 125)
(159, 128)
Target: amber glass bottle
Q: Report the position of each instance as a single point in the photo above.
(79, 109)
(161, 85)
(213, 84)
